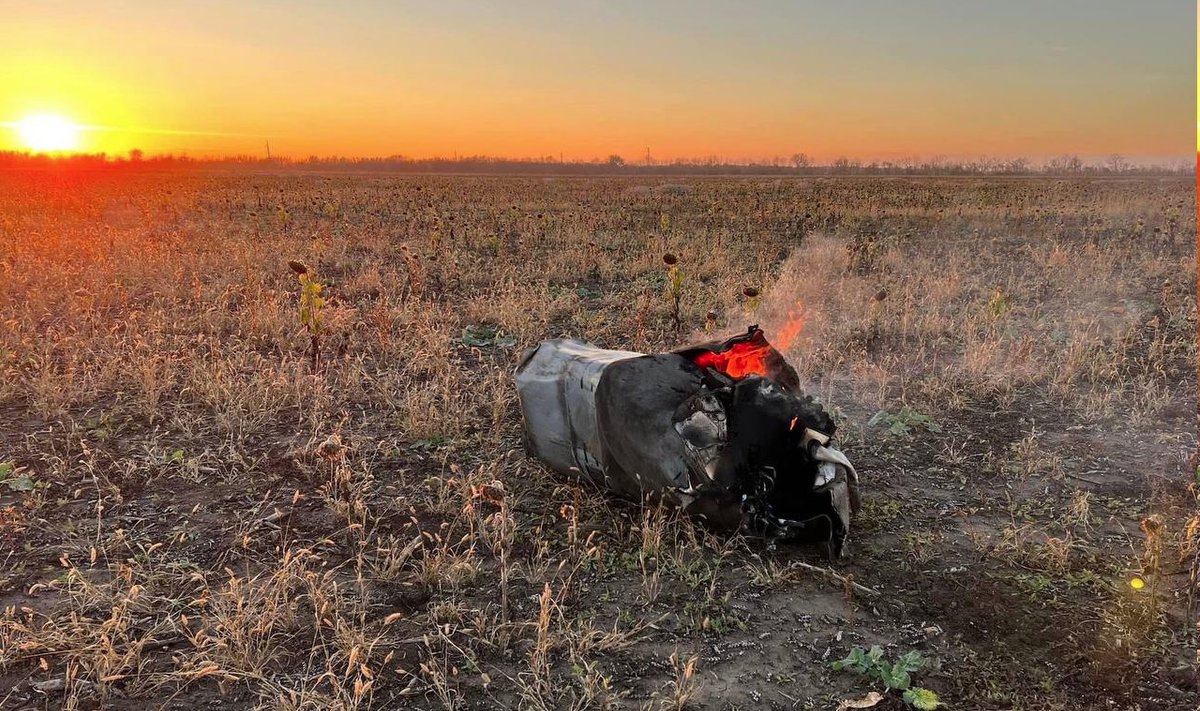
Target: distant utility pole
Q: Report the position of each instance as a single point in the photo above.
(268, 149)
(647, 155)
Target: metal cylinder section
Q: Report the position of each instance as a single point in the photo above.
(556, 383)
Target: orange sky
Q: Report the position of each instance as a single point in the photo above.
(735, 80)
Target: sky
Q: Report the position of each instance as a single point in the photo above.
(869, 79)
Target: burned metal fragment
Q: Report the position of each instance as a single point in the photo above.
(720, 429)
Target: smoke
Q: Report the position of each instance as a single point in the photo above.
(811, 285)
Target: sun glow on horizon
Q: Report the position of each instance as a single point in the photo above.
(46, 133)
(735, 82)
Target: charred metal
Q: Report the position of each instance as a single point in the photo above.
(722, 430)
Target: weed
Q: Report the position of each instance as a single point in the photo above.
(682, 689)
(895, 676)
(13, 477)
(674, 287)
(903, 421)
(311, 306)
(487, 336)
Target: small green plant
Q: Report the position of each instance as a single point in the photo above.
(711, 614)
(896, 676)
(487, 336)
(903, 421)
(1000, 303)
(311, 305)
(11, 476)
(920, 698)
(674, 287)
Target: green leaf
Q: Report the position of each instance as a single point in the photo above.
(177, 456)
(922, 699)
(856, 659)
(480, 336)
(487, 336)
(894, 677)
(911, 662)
(426, 445)
(903, 422)
(8, 472)
(20, 483)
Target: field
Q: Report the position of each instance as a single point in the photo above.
(195, 515)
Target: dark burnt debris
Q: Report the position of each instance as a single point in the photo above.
(720, 429)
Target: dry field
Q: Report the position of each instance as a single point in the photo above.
(193, 516)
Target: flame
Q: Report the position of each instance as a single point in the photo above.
(792, 328)
(747, 355)
(740, 360)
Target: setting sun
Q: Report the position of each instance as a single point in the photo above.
(48, 132)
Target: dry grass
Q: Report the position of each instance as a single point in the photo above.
(212, 517)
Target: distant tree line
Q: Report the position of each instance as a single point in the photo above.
(797, 164)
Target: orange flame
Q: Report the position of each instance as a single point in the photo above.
(792, 328)
(740, 360)
(747, 355)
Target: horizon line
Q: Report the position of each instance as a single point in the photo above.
(710, 160)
